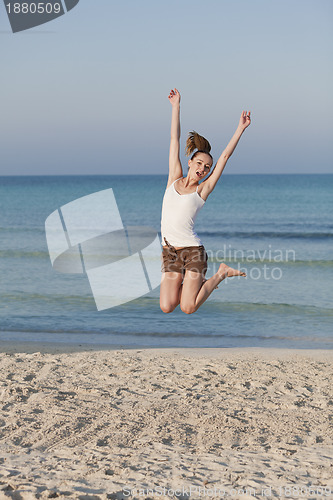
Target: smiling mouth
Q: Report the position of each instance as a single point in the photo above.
(199, 174)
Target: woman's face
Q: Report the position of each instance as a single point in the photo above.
(200, 166)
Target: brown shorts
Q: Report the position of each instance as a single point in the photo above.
(184, 259)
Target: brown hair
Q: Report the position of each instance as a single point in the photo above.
(196, 141)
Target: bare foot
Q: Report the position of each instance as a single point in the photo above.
(228, 272)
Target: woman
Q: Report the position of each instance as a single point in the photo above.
(184, 257)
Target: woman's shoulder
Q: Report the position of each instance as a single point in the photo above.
(172, 180)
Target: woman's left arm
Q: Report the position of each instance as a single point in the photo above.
(210, 183)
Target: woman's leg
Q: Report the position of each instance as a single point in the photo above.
(195, 290)
(171, 285)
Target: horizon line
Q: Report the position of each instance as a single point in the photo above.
(160, 175)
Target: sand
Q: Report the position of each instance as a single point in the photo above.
(92, 423)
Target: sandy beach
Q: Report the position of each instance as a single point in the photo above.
(88, 422)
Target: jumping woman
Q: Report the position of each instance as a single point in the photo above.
(184, 259)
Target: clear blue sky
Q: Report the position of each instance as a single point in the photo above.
(87, 92)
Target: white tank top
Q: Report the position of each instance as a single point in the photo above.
(178, 216)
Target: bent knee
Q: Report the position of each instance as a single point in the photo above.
(168, 308)
(188, 308)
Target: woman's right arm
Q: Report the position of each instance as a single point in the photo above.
(175, 166)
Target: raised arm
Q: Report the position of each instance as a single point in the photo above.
(210, 183)
(175, 167)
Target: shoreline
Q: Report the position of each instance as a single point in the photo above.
(30, 347)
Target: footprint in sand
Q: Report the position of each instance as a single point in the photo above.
(37, 410)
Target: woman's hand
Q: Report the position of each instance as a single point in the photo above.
(245, 120)
(174, 97)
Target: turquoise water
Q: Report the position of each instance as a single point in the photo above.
(279, 228)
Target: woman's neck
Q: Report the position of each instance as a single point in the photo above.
(189, 183)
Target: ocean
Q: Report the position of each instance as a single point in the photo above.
(278, 228)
